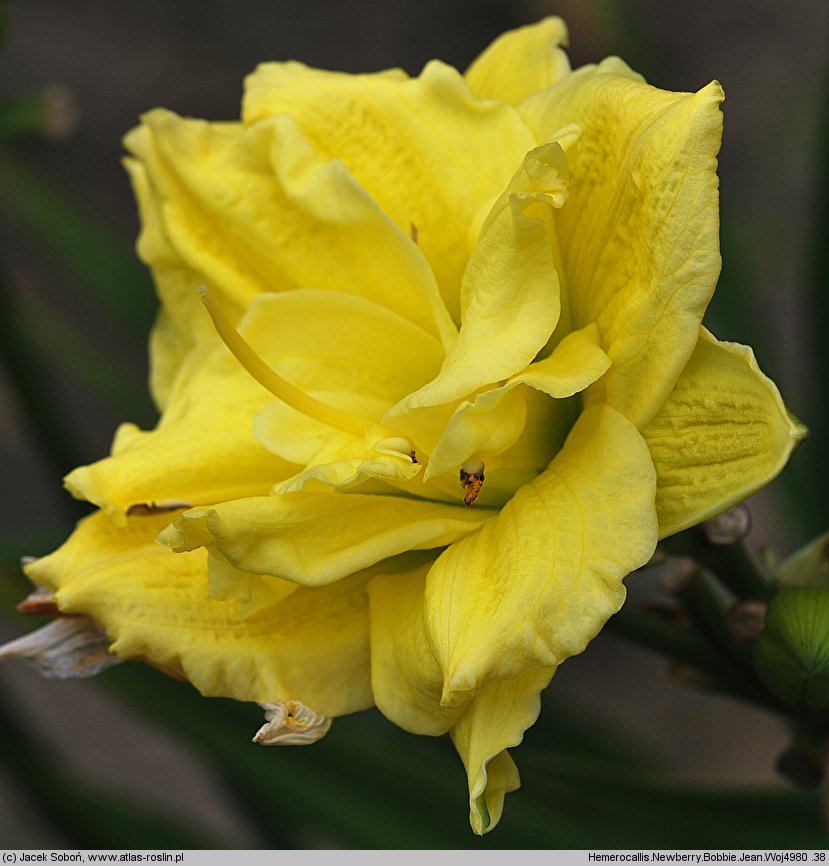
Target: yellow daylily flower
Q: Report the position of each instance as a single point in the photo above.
(495, 278)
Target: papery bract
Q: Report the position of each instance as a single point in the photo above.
(502, 273)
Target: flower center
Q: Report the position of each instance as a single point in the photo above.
(381, 439)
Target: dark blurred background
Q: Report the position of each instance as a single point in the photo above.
(113, 61)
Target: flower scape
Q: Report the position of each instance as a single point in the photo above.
(432, 381)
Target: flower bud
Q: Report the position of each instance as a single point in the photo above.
(809, 566)
(791, 655)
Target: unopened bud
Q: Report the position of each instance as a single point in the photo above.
(791, 655)
(809, 566)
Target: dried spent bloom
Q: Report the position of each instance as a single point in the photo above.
(449, 388)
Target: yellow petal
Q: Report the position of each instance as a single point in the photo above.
(576, 362)
(310, 442)
(254, 592)
(203, 450)
(350, 353)
(252, 209)
(480, 429)
(521, 62)
(407, 684)
(316, 538)
(311, 646)
(493, 722)
(509, 296)
(405, 676)
(173, 335)
(348, 472)
(536, 584)
(495, 420)
(427, 151)
(639, 235)
(723, 433)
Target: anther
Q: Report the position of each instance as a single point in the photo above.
(472, 480)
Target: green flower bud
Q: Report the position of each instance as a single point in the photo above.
(809, 566)
(791, 655)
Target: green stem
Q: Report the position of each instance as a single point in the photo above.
(804, 761)
(730, 563)
(707, 604)
(691, 649)
(702, 597)
(677, 643)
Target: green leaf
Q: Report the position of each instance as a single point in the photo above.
(109, 275)
(355, 785)
(53, 336)
(370, 785)
(23, 117)
(597, 805)
(87, 816)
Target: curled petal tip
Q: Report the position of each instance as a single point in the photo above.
(291, 724)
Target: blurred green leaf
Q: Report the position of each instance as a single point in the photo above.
(333, 788)
(88, 817)
(110, 276)
(815, 473)
(370, 785)
(13, 586)
(23, 117)
(35, 542)
(599, 805)
(28, 375)
(54, 337)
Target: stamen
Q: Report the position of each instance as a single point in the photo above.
(396, 446)
(270, 379)
(472, 480)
